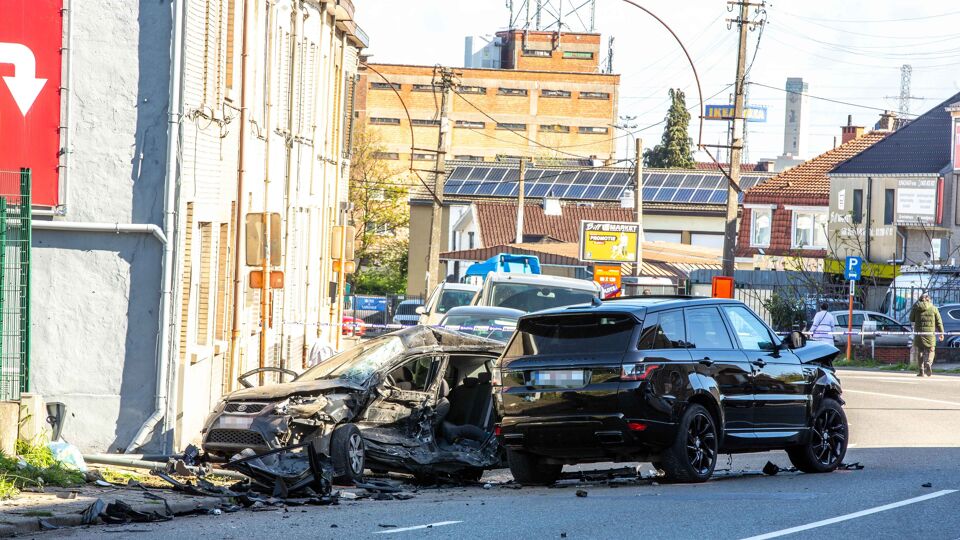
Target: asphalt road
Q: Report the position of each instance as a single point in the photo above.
(904, 430)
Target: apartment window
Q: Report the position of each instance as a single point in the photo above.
(205, 286)
(424, 157)
(555, 93)
(512, 91)
(511, 127)
(384, 121)
(425, 88)
(468, 158)
(386, 155)
(469, 124)
(809, 230)
(470, 236)
(231, 36)
(594, 95)
(472, 90)
(578, 55)
(554, 128)
(422, 122)
(858, 206)
(889, 202)
(536, 52)
(384, 86)
(592, 130)
(760, 219)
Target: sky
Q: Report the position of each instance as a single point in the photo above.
(849, 51)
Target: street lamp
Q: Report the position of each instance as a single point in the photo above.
(627, 124)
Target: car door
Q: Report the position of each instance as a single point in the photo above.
(840, 340)
(780, 396)
(900, 336)
(711, 345)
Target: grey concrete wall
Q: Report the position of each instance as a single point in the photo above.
(96, 296)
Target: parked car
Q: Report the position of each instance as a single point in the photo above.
(534, 292)
(676, 381)
(353, 326)
(416, 400)
(445, 297)
(484, 321)
(950, 315)
(884, 324)
(406, 313)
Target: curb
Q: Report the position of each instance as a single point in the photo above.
(28, 525)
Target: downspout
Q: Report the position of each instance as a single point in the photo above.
(290, 217)
(265, 304)
(241, 205)
(117, 228)
(67, 128)
(174, 114)
(866, 246)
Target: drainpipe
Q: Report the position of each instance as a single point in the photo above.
(67, 127)
(241, 205)
(289, 216)
(164, 358)
(866, 246)
(265, 304)
(117, 228)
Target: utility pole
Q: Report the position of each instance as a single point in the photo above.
(520, 194)
(446, 80)
(638, 203)
(736, 148)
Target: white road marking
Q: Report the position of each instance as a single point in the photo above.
(418, 527)
(896, 396)
(845, 517)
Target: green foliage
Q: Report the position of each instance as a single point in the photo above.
(38, 468)
(676, 147)
(785, 311)
(387, 276)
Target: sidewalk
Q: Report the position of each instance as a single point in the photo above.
(31, 512)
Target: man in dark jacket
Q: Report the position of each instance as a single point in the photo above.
(927, 324)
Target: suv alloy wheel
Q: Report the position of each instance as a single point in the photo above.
(693, 454)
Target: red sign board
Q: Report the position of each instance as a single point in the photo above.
(608, 277)
(956, 144)
(31, 33)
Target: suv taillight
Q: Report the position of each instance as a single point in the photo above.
(495, 378)
(637, 372)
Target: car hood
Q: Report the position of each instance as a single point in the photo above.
(282, 390)
(817, 352)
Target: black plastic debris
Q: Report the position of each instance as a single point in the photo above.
(92, 513)
(581, 493)
(191, 455)
(121, 512)
(771, 469)
(288, 470)
(46, 525)
(855, 466)
(926, 484)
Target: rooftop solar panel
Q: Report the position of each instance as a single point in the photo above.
(497, 175)
(611, 193)
(718, 196)
(684, 195)
(620, 179)
(575, 191)
(691, 180)
(478, 173)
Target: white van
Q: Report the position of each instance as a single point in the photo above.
(445, 297)
(534, 292)
(942, 283)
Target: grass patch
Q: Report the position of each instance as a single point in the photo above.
(870, 363)
(120, 477)
(38, 513)
(35, 467)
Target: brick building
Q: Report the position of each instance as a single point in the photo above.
(787, 215)
(548, 94)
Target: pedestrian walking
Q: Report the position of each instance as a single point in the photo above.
(823, 325)
(929, 328)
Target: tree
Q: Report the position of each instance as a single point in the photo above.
(676, 147)
(381, 217)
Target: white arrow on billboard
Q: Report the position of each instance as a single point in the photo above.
(24, 85)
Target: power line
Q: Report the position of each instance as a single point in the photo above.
(853, 21)
(821, 98)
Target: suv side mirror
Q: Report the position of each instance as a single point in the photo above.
(796, 340)
(421, 310)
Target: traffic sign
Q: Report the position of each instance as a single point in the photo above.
(31, 34)
(853, 269)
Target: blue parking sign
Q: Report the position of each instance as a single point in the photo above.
(854, 268)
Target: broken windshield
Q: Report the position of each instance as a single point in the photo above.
(359, 363)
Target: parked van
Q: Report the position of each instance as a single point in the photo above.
(532, 292)
(941, 282)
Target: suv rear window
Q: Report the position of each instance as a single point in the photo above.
(577, 334)
(529, 297)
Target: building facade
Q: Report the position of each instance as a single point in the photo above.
(210, 117)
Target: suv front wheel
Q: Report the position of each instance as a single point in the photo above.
(531, 470)
(693, 454)
(828, 441)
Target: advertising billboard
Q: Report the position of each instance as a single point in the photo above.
(751, 113)
(916, 200)
(609, 241)
(31, 33)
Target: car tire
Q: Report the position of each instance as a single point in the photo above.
(531, 470)
(693, 454)
(827, 445)
(347, 451)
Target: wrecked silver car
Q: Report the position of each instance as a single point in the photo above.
(418, 400)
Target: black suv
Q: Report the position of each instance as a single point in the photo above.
(671, 380)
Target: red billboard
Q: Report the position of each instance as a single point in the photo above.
(31, 33)
(956, 144)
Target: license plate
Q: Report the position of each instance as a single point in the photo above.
(562, 378)
(236, 422)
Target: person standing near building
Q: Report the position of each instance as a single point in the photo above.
(823, 325)
(929, 328)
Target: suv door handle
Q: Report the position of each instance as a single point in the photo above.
(705, 362)
(759, 362)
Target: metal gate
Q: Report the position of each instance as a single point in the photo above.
(15, 240)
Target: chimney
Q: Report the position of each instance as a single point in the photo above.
(850, 132)
(551, 206)
(887, 122)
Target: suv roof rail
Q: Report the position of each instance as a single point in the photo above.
(642, 296)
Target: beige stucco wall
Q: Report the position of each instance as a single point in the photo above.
(420, 218)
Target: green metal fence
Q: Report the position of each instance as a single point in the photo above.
(15, 240)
